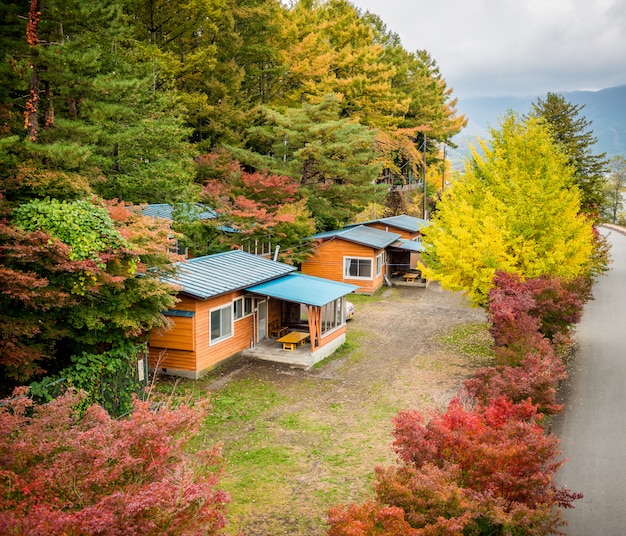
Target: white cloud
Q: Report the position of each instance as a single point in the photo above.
(513, 47)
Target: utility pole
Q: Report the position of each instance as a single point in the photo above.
(424, 179)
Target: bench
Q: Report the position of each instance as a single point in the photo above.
(276, 330)
(293, 339)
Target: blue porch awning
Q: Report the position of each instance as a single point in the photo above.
(300, 288)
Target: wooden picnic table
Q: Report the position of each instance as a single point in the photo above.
(411, 277)
(293, 339)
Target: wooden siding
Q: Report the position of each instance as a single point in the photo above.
(203, 355)
(273, 311)
(328, 263)
(328, 338)
(180, 336)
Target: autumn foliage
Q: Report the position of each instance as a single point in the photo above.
(524, 311)
(466, 470)
(64, 473)
(485, 464)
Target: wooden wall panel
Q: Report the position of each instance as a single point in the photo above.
(209, 355)
(199, 354)
(181, 336)
(164, 358)
(328, 263)
(331, 336)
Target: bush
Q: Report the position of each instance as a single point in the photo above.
(67, 474)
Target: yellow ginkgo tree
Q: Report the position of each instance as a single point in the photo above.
(515, 209)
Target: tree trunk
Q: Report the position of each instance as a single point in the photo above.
(31, 121)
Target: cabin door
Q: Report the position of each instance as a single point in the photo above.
(261, 307)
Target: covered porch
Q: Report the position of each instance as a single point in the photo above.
(307, 322)
(302, 357)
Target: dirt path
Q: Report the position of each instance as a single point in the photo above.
(298, 442)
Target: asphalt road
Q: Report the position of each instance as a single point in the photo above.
(592, 427)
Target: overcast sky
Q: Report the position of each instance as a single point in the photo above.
(514, 47)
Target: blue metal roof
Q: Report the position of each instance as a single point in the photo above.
(408, 245)
(403, 221)
(300, 288)
(195, 211)
(213, 275)
(366, 236)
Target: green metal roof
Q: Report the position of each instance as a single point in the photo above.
(409, 245)
(300, 288)
(213, 275)
(193, 211)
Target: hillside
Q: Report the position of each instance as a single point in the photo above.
(605, 109)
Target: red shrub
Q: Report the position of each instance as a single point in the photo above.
(536, 378)
(500, 449)
(63, 474)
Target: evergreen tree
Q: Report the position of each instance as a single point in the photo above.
(332, 158)
(616, 185)
(574, 134)
(332, 51)
(92, 107)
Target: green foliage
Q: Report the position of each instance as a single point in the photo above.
(516, 210)
(83, 225)
(573, 133)
(109, 379)
(95, 294)
(614, 189)
(332, 158)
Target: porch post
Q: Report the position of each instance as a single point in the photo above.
(314, 315)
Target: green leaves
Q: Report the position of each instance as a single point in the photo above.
(85, 227)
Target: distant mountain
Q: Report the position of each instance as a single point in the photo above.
(605, 109)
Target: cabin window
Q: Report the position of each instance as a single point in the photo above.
(357, 268)
(381, 260)
(333, 315)
(242, 307)
(221, 323)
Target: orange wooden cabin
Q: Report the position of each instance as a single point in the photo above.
(232, 301)
(404, 254)
(355, 255)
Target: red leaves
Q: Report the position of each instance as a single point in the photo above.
(536, 377)
(97, 475)
(485, 467)
(522, 313)
(368, 519)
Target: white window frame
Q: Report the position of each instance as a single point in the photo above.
(223, 335)
(242, 307)
(346, 268)
(381, 261)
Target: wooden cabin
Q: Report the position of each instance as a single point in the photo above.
(408, 227)
(403, 255)
(233, 301)
(354, 255)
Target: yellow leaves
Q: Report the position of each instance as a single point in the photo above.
(514, 210)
